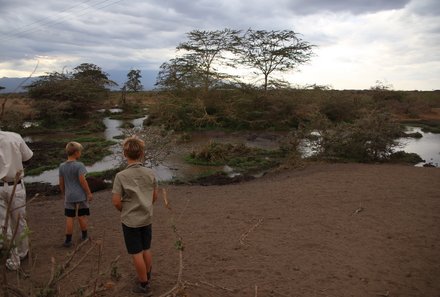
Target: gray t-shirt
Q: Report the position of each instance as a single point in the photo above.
(71, 171)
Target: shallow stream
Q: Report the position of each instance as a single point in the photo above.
(428, 147)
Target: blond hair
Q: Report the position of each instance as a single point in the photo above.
(133, 148)
(73, 147)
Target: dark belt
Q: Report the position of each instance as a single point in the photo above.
(9, 183)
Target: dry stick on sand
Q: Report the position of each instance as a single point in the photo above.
(216, 286)
(179, 286)
(244, 235)
(61, 273)
(102, 287)
(358, 210)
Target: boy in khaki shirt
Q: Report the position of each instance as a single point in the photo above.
(134, 192)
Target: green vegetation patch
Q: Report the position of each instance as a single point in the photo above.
(49, 155)
(238, 156)
(404, 157)
(427, 126)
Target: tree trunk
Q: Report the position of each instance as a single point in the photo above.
(3, 108)
(265, 82)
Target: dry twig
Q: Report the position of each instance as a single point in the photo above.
(244, 235)
(358, 210)
(216, 286)
(180, 285)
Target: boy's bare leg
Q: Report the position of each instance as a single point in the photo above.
(83, 225)
(141, 268)
(148, 259)
(82, 222)
(69, 225)
(69, 231)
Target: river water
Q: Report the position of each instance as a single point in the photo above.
(428, 147)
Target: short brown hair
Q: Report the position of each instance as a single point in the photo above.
(133, 148)
(73, 147)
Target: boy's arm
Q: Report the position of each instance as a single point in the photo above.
(117, 201)
(62, 187)
(85, 186)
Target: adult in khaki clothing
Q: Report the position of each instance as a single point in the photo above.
(13, 153)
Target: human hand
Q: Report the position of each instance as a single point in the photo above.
(90, 197)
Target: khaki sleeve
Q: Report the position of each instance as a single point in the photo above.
(26, 152)
(117, 186)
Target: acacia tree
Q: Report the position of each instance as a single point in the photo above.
(207, 49)
(61, 94)
(270, 51)
(134, 80)
(93, 75)
(180, 73)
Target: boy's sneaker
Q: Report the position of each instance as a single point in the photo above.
(138, 288)
(67, 244)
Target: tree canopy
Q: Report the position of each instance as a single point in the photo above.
(207, 49)
(133, 82)
(270, 51)
(206, 53)
(69, 93)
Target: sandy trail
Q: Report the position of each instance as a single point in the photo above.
(326, 230)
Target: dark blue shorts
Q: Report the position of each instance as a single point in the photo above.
(70, 209)
(137, 239)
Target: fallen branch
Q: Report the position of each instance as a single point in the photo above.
(27, 203)
(216, 286)
(15, 291)
(63, 275)
(358, 210)
(244, 235)
(56, 276)
(180, 285)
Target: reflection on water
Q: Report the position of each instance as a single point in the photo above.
(427, 147)
(109, 162)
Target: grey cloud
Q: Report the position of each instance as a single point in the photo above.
(425, 7)
(351, 6)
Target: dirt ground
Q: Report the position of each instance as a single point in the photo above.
(325, 230)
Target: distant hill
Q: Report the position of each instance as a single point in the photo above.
(11, 83)
(119, 76)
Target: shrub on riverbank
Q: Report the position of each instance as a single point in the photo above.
(238, 156)
(369, 138)
(282, 109)
(404, 157)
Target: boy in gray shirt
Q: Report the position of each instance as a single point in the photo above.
(76, 191)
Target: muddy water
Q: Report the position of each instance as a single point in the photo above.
(428, 147)
(174, 167)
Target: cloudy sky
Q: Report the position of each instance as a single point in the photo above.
(358, 41)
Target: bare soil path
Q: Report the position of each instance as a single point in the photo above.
(326, 230)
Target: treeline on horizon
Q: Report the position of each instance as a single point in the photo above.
(192, 94)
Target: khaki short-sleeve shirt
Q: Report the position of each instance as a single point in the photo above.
(13, 151)
(135, 184)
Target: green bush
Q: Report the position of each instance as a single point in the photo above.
(372, 137)
(238, 156)
(404, 157)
